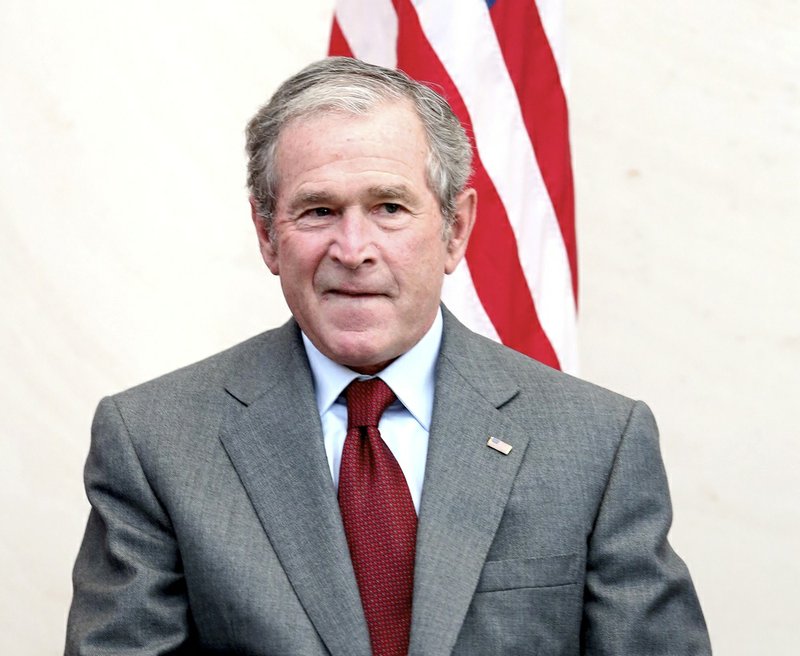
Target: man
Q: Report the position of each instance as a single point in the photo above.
(262, 502)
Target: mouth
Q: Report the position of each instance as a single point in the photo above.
(353, 293)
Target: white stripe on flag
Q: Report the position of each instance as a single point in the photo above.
(370, 29)
(462, 300)
(551, 13)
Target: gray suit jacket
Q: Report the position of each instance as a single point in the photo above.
(215, 527)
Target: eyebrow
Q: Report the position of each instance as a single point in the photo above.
(399, 193)
(392, 192)
(310, 198)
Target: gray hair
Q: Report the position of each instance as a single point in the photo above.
(341, 84)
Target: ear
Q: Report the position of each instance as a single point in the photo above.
(466, 207)
(267, 248)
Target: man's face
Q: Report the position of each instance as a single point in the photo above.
(357, 238)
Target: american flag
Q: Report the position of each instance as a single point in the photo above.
(499, 64)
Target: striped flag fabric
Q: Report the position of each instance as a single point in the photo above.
(499, 63)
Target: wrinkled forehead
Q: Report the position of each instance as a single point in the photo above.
(391, 125)
(345, 112)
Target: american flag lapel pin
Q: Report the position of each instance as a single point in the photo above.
(499, 445)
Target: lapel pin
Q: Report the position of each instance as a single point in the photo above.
(499, 445)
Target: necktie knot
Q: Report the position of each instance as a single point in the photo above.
(366, 402)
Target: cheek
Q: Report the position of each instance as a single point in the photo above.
(299, 258)
(425, 257)
(423, 271)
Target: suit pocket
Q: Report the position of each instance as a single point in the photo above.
(543, 572)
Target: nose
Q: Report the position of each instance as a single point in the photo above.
(353, 243)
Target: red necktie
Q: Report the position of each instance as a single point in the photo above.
(379, 520)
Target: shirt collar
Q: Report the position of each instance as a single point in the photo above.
(411, 376)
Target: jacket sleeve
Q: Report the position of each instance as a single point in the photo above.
(639, 597)
(129, 591)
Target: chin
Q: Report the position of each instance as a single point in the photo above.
(359, 352)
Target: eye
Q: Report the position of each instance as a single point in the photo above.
(321, 211)
(391, 208)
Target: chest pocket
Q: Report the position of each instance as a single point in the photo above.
(542, 572)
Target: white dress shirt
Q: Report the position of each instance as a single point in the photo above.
(406, 423)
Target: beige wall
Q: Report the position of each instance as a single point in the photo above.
(686, 122)
(127, 251)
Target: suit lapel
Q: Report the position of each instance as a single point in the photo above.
(275, 445)
(274, 442)
(466, 488)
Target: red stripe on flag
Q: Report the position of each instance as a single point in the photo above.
(492, 252)
(533, 71)
(338, 46)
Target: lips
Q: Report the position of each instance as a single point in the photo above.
(353, 293)
(354, 287)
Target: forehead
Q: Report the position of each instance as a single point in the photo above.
(389, 139)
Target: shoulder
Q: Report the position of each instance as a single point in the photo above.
(530, 388)
(172, 423)
(240, 371)
(480, 359)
